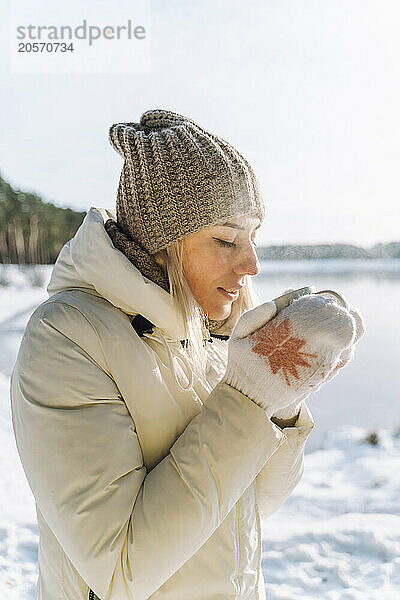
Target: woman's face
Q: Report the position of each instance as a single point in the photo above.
(216, 260)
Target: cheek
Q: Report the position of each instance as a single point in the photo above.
(205, 270)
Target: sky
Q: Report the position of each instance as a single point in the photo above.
(307, 90)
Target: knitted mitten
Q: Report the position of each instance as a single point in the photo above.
(344, 358)
(347, 354)
(277, 361)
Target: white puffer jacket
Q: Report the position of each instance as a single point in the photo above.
(142, 489)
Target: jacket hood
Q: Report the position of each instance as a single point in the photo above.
(89, 261)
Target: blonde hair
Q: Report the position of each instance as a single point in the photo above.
(195, 320)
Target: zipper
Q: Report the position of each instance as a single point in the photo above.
(259, 540)
(238, 586)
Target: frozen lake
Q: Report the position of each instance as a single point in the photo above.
(365, 393)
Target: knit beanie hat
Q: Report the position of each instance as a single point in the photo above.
(177, 178)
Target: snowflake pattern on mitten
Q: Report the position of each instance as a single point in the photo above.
(278, 359)
(282, 350)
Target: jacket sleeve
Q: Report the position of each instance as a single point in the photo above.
(282, 472)
(126, 531)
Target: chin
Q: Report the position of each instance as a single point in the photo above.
(219, 313)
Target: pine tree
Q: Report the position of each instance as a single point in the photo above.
(33, 231)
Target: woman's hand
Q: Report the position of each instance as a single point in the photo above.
(287, 416)
(279, 360)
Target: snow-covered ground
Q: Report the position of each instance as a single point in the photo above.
(337, 537)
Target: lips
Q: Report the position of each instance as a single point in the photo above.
(232, 293)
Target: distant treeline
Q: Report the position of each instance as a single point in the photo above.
(319, 251)
(33, 231)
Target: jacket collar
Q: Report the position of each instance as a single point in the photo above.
(90, 261)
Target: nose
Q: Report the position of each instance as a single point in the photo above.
(247, 263)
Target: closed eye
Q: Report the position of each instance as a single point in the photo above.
(224, 242)
(231, 244)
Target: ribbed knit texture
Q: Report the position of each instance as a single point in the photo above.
(138, 256)
(178, 178)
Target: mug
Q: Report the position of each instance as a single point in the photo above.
(285, 299)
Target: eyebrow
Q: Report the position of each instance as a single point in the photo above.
(234, 225)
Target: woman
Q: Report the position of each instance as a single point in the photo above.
(154, 420)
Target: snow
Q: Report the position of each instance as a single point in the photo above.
(336, 537)
(18, 530)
